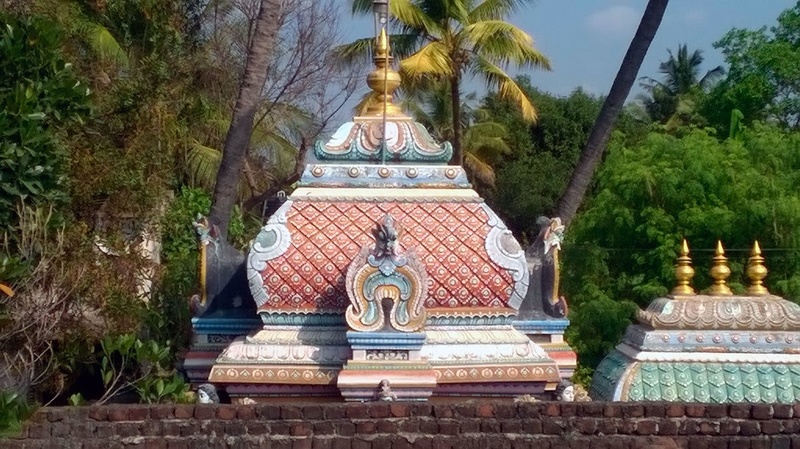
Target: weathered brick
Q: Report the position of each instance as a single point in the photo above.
(688, 427)
(490, 427)
(303, 443)
(698, 442)
(117, 413)
(401, 443)
(428, 426)
(749, 428)
(280, 428)
(356, 411)
(380, 410)
(646, 427)
(443, 411)
(235, 428)
(771, 427)
(358, 443)
(709, 428)
(695, 410)
(365, 427)
(485, 411)
(739, 411)
(385, 426)
(569, 410)
(420, 409)
(422, 443)
(552, 409)
(200, 412)
(668, 427)
(655, 410)
(716, 410)
(39, 432)
(246, 412)
(505, 411)
(465, 410)
(256, 428)
(225, 412)
(590, 409)
(511, 426)
(162, 412)
(300, 430)
(781, 442)
(399, 410)
(186, 412)
(586, 426)
(292, 412)
(345, 429)
(532, 426)
(612, 410)
(728, 427)
(791, 426)
(409, 425)
(608, 426)
(320, 443)
(761, 411)
(323, 428)
(782, 411)
(739, 443)
(139, 413)
(552, 427)
(676, 411)
(633, 411)
(274, 412)
(341, 443)
(448, 428)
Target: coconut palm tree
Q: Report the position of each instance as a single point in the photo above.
(483, 141)
(680, 82)
(451, 39)
(590, 157)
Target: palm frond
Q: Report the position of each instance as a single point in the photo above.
(479, 170)
(504, 43)
(202, 163)
(101, 41)
(405, 13)
(432, 59)
(360, 50)
(495, 9)
(506, 87)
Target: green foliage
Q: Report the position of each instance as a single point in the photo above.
(648, 197)
(39, 94)
(128, 362)
(763, 80)
(13, 411)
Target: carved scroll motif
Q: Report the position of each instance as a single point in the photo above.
(386, 288)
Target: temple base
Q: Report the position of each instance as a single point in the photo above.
(386, 366)
(549, 335)
(211, 335)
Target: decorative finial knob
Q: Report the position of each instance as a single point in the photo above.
(720, 272)
(756, 272)
(683, 272)
(384, 80)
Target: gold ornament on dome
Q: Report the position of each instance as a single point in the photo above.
(384, 80)
(683, 272)
(756, 272)
(720, 273)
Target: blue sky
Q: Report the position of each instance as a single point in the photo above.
(587, 39)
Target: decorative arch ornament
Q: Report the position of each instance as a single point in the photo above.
(384, 275)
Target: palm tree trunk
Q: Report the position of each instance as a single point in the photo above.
(455, 97)
(581, 177)
(237, 140)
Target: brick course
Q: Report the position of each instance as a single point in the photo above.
(461, 425)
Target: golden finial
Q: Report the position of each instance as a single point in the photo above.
(720, 272)
(756, 272)
(683, 272)
(384, 79)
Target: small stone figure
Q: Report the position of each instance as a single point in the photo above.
(525, 398)
(581, 395)
(207, 394)
(542, 299)
(385, 393)
(565, 391)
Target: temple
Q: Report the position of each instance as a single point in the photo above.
(712, 348)
(383, 276)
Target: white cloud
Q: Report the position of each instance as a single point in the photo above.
(615, 20)
(694, 16)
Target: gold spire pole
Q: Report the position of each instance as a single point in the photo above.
(720, 272)
(384, 80)
(756, 272)
(683, 272)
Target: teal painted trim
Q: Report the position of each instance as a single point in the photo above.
(302, 318)
(469, 320)
(225, 325)
(386, 340)
(608, 376)
(554, 326)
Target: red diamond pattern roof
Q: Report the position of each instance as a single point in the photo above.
(448, 237)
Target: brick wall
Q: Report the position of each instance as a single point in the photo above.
(461, 425)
